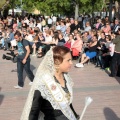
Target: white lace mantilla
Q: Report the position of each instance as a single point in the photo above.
(45, 73)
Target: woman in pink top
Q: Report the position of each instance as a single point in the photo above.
(77, 46)
(15, 25)
(106, 29)
(70, 42)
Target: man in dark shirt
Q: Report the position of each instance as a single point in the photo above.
(23, 60)
(72, 26)
(116, 26)
(116, 57)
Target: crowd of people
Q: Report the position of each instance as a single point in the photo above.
(86, 40)
(59, 41)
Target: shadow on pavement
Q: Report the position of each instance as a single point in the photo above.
(24, 73)
(117, 77)
(1, 97)
(110, 114)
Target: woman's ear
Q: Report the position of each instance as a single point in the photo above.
(57, 62)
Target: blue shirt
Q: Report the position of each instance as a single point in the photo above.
(11, 37)
(63, 29)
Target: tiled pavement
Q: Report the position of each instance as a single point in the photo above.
(88, 81)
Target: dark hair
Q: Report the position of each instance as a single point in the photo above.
(56, 35)
(118, 29)
(0, 33)
(17, 33)
(109, 37)
(58, 54)
(96, 36)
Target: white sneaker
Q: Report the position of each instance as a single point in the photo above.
(30, 83)
(79, 65)
(18, 87)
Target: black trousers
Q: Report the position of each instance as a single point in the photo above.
(115, 63)
(106, 61)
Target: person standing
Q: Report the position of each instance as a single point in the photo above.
(23, 60)
(49, 22)
(116, 26)
(51, 95)
(115, 63)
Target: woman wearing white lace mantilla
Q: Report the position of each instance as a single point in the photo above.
(50, 97)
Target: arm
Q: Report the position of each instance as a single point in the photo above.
(27, 54)
(116, 40)
(36, 104)
(77, 44)
(11, 37)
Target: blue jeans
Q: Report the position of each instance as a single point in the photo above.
(3, 42)
(7, 42)
(20, 67)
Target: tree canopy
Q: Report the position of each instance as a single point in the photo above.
(59, 6)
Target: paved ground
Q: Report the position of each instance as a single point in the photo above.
(88, 81)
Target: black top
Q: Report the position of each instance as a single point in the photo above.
(40, 104)
(72, 27)
(61, 42)
(93, 48)
(100, 42)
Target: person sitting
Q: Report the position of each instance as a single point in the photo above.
(45, 45)
(106, 28)
(34, 45)
(39, 45)
(76, 48)
(9, 39)
(61, 40)
(2, 40)
(91, 53)
(70, 42)
(88, 27)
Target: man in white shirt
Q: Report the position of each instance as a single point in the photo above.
(26, 20)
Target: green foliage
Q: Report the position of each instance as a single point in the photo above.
(28, 5)
(88, 6)
(14, 3)
(59, 6)
(53, 6)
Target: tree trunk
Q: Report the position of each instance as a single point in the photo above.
(110, 10)
(12, 11)
(76, 11)
(117, 7)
